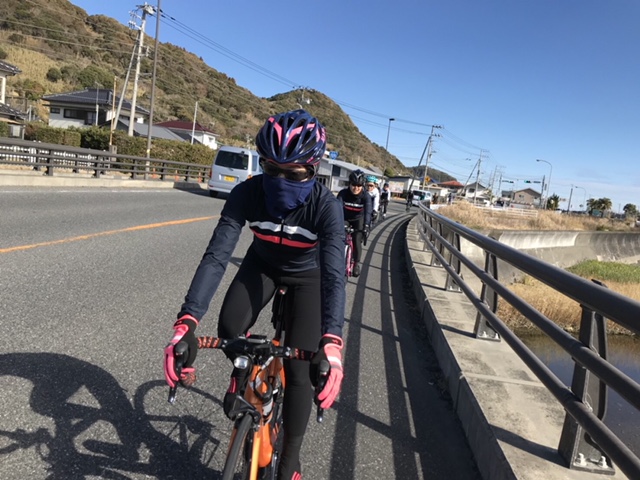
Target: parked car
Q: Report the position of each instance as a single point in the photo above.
(231, 166)
(420, 196)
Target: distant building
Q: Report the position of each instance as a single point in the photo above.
(189, 131)
(15, 118)
(91, 106)
(527, 196)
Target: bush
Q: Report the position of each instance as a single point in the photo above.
(3, 54)
(16, 38)
(69, 73)
(54, 74)
(95, 138)
(45, 134)
(4, 129)
(88, 77)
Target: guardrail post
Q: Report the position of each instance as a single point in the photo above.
(437, 245)
(576, 446)
(488, 295)
(454, 262)
(48, 170)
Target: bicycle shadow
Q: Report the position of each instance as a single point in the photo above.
(82, 424)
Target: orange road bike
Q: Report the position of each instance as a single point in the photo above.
(256, 439)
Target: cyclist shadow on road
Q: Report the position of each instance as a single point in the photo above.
(82, 424)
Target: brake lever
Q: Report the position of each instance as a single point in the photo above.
(179, 352)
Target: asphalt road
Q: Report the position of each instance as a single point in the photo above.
(90, 282)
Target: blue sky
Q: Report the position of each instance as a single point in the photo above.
(511, 81)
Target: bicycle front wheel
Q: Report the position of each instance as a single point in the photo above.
(348, 260)
(238, 463)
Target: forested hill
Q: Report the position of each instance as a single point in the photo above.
(59, 47)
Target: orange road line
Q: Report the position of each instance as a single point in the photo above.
(102, 234)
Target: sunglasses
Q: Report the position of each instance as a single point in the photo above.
(370, 185)
(294, 175)
(355, 184)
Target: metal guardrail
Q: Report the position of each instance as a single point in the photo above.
(584, 436)
(61, 159)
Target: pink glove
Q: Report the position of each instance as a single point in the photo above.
(330, 350)
(183, 332)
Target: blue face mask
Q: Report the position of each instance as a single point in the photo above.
(284, 195)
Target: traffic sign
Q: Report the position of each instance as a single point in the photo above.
(333, 155)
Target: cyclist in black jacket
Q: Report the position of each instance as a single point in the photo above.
(385, 196)
(298, 228)
(357, 206)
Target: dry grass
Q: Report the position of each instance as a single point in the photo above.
(472, 217)
(560, 309)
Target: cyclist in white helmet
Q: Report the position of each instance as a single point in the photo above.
(372, 189)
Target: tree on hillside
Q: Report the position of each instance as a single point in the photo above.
(553, 202)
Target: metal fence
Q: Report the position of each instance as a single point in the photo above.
(54, 159)
(584, 434)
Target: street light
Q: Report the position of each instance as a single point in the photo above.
(570, 195)
(386, 146)
(546, 200)
(584, 197)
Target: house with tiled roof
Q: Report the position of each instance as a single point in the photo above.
(191, 131)
(7, 113)
(91, 106)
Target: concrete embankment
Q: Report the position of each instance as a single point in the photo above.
(513, 424)
(560, 248)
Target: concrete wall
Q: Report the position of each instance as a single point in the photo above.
(560, 248)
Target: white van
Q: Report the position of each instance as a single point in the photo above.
(231, 166)
(420, 196)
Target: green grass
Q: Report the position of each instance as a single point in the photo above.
(607, 271)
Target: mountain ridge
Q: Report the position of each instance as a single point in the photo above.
(60, 47)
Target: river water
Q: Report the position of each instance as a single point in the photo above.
(624, 353)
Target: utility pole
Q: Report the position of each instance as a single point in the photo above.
(153, 78)
(146, 10)
(193, 129)
(475, 191)
(427, 152)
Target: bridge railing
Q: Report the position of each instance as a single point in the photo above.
(54, 159)
(584, 436)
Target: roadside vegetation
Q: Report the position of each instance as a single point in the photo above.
(565, 312)
(485, 219)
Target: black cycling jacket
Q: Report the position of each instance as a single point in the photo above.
(356, 206)
(311, 236)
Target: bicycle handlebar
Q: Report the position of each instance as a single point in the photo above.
(257, 345)
(254, 345)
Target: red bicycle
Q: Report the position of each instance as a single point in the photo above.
(349, 261)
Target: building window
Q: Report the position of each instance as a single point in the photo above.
(78, 114)
(55, 110)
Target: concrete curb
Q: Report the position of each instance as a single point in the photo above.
(19, 178)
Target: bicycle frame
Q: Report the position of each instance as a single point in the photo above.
(348, 251)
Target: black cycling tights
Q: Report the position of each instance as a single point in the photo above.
(250, 290)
